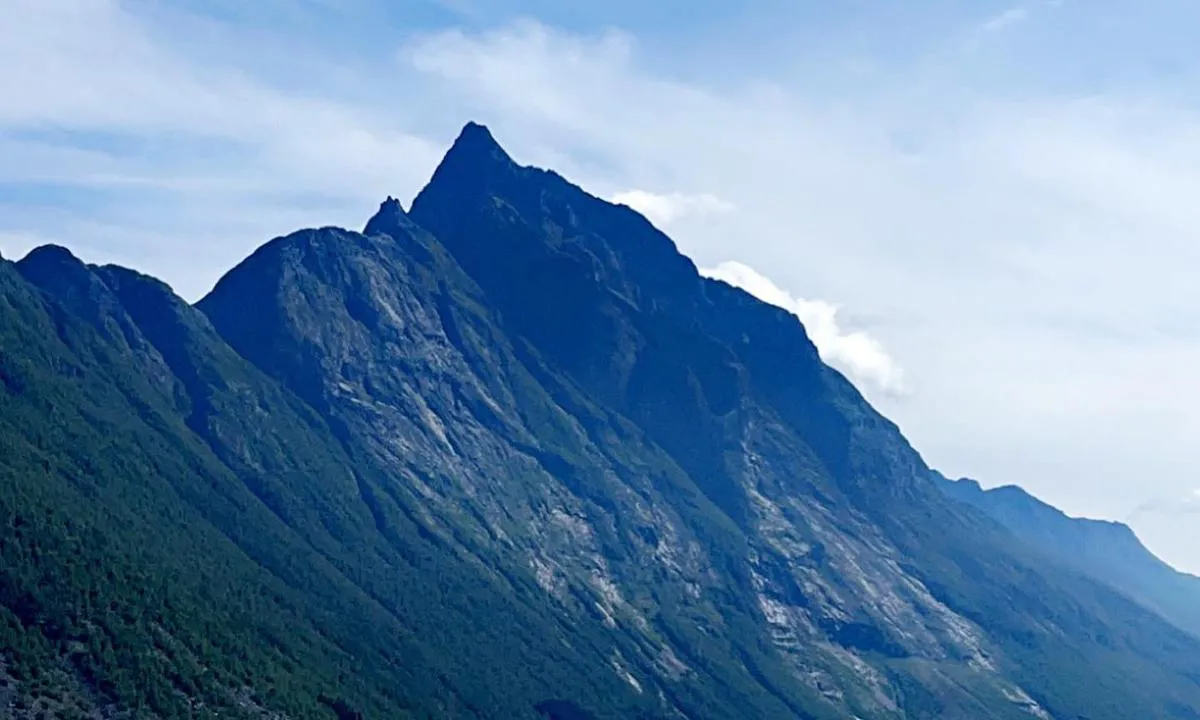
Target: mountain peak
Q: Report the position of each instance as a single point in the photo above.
(55, 269)
(473, 163)
(389, 216)
(476, 138)
(50, 254)
(391, 205)
(474, 151)
(390, 220)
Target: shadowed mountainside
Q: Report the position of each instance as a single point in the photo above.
(504, 455)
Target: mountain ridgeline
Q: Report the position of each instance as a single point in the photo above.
(1107, 551)
(508, 455)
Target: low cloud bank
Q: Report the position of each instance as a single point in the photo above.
(854, 352)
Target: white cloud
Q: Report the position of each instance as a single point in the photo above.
(665, 209)
(1189, 504)
(107, 103)
(1030, 259)
(854, 352)
(1006, 19)
(987, 234)
(525, 54)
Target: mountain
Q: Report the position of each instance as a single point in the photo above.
(503, 455)
(263, 575)
(1107, 551)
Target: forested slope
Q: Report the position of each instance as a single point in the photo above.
(504, 455)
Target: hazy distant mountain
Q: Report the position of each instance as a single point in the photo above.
(505, 455)
(1108, 551)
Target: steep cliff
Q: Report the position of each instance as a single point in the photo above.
(504, 455)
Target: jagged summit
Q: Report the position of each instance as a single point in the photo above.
(507, 454)
(473, 163)
(476, 138)
(390, 216)
(475, 149)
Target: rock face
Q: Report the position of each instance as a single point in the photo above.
(508, 455)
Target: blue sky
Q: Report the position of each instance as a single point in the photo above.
(985, 212)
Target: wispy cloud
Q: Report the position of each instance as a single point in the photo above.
(665, 209)
(854, 352)
(1185, 505)
(998, 210)
(1006, 19)
(99, 100)
(991, 252)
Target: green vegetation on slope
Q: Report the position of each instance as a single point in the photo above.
(138, 563)
(387, 475)
(668, 349)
